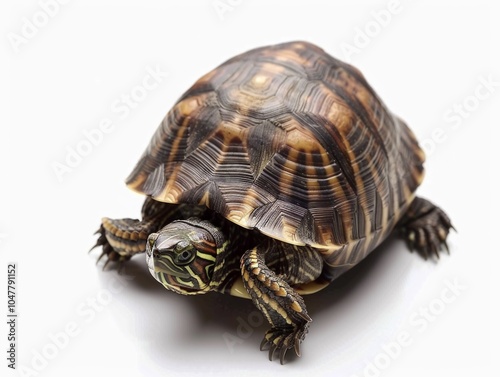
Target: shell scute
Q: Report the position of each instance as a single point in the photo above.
(290, 141)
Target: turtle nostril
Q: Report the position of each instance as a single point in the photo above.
(151, 252)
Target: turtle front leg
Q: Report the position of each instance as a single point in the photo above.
(275, 298)
(425, 227)
(122, 238)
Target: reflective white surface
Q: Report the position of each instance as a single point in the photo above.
(118, 66)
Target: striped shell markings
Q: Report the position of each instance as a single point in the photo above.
(290, 141)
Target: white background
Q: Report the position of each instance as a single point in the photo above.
(66, 76)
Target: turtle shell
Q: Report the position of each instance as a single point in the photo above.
(290, 141)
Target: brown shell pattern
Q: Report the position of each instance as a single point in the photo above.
(290, 141)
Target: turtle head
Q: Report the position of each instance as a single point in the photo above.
(182, 255)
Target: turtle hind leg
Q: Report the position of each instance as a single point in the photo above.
(425, 227)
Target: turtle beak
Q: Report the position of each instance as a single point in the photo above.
(162, 263)
(150, 243)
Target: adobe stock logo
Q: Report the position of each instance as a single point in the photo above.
(221, 7)
(454, 117)
(57, 342)
(244, 330)
(418, 321)
(93, 137)
(31, 26)
(363, 36)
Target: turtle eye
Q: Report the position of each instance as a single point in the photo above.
(185, 257)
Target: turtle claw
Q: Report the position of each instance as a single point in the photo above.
(264, 344)
(282, 355)
(101, 241)
(107, 261)
(280, 340)
(100, 257)
(108, 251)
(445, 244)
(426, 230)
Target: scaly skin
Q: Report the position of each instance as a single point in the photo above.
(284, 308)
(425, 227)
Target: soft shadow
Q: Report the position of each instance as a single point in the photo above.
(213, 314)
(350, 281)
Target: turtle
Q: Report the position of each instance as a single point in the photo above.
(270, 177)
